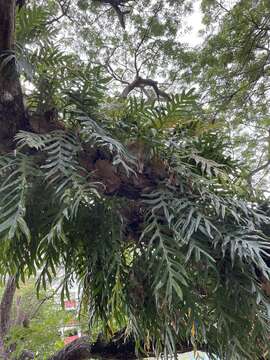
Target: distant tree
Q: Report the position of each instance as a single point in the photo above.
(30, 326)
(136, 193)
(233, 71)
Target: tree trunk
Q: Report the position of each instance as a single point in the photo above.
(5, 313)
(79, 349)
(119, 347)
(7, 24)
(12, 112)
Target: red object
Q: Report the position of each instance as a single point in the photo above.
(70, 304)
(69, 339)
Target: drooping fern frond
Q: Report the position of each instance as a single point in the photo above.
(61, 148)
(32, 140)
(67, 186)
(15, 171)
(61, 169)
(249, 247)
(93, 133)
(170, 272)
(208, 166)
(189, 221)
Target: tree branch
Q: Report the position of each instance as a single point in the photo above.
(79, 349)
(64, 6)
(118, 5)
(139, 83)
(48, 297)
(120, 347)
(259, 168)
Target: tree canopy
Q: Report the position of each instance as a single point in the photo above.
(134, 161)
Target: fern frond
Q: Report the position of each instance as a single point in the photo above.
(248, 247)
(62, 148)
(32, 140)
(166, 254)
(92, 132)
(14, 173)
(208, 166)
(32, 24)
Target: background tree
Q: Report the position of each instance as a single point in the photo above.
(139, 198)
(33, 324)
(232, 69)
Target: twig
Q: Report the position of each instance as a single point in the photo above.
(46, 298)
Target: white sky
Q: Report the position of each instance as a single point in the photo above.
(194, 21)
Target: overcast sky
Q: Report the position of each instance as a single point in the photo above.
(194, 21)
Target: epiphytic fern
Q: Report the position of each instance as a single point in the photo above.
(15, 170)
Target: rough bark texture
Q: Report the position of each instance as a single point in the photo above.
(141, 83)
(118, 348)
(5, 313)
(6, 305)
(81, 349)
(12, 112)
(7, 24)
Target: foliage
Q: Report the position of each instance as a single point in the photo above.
(191, 224)
(39, 330)
(232, 70)
(140, 200)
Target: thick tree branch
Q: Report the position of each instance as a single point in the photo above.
(119, 347)
(140, 82)
(79, 349)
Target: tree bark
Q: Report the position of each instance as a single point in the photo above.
(141, 83)
(5, 313)
(12, 112)
(7, 24)
(119, 347)
(79, 349)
